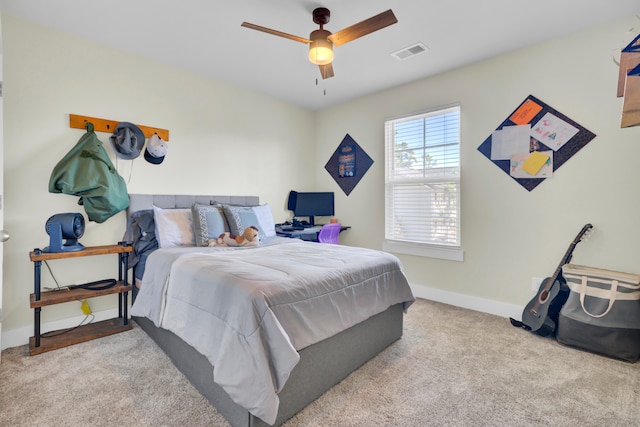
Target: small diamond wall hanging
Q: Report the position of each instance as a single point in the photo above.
(348, 164)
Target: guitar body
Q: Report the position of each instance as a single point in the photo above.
(540, 316)
(535, 313)
(543, 319)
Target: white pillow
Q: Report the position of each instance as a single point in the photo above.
(174, 227)
(265, 219)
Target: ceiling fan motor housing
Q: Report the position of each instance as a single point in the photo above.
(321, 16)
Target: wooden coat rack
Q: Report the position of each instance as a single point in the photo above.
(109, 126)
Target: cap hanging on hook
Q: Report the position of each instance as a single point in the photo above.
(156, 150)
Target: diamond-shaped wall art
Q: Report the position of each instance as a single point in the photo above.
(533, 142)
(348, 164)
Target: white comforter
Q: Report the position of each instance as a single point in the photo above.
(249, 309)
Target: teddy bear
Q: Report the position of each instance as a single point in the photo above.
(250, 237)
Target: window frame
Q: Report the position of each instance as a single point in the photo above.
(451, 252)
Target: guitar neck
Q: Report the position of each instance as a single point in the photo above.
(568, 254)
(565, 259)
(535, 311)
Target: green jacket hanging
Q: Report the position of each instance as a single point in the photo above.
(87, 171)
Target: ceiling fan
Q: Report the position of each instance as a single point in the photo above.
(321, 41)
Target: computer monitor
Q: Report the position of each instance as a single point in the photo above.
(313, 204)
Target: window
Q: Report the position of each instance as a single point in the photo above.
(422, 184)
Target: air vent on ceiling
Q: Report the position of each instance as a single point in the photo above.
(410, 51)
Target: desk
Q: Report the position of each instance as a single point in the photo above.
(310, 234)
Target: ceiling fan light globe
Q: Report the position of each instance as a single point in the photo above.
(320, 49)
(320, 55)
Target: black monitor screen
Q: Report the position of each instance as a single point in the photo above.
(314, 204)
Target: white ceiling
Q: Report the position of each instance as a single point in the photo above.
(204, 36)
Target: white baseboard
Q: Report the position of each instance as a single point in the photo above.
(467, 301)
(20, 336)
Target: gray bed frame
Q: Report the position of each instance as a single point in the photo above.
(322, 365)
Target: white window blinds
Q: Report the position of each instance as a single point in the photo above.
(422, 180)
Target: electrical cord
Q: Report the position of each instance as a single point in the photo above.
(64, 331)
(98, 285)
(46, 264)
(93, 286)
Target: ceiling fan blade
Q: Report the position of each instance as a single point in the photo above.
(326, 71)
(363, 28)
(275, 32)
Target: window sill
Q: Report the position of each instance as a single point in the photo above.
(440, 252)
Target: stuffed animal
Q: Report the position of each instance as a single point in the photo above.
(250, 237)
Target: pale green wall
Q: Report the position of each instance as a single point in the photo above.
(510, 235)
(223, 140)
(227, 140)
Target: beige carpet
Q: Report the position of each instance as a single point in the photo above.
(453, 367)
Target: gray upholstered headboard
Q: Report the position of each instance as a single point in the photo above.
(139, 202)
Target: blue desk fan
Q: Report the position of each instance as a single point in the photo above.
(69, 226)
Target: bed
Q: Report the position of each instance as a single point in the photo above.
(260, 331)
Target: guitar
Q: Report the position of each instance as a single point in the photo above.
(541, 314)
